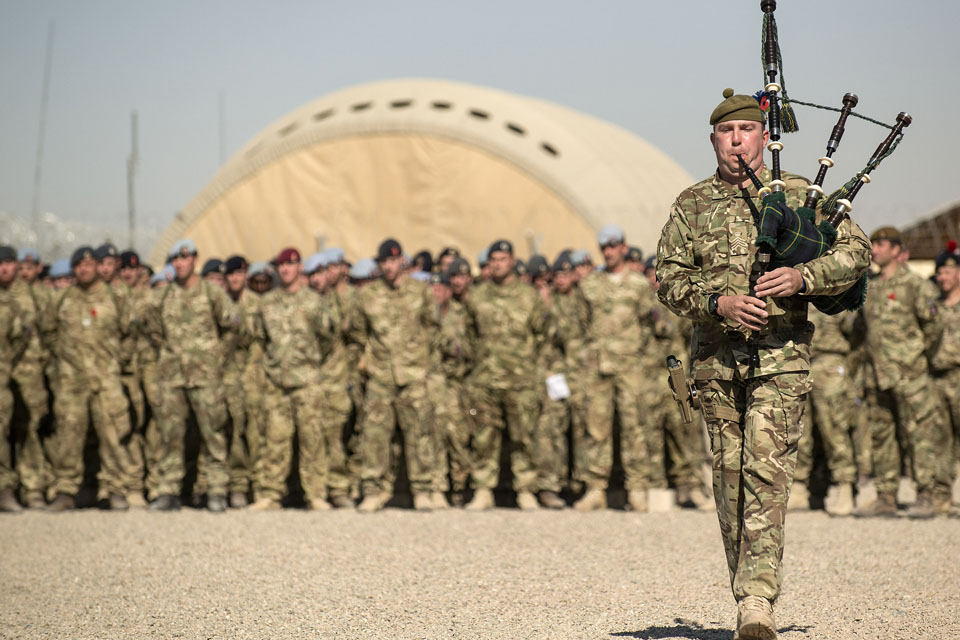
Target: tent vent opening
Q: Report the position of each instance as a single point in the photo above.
(290, 128)
(439, 104)
(517, 129)
(549, 148)
(477, 113)
(400, 104)
(254, 149)
(361, 106)
(323, 115)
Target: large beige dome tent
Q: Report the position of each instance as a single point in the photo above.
(431, 163)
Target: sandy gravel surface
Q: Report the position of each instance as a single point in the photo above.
(502, 574)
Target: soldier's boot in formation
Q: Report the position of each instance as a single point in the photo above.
(438, 501)
(373, 502)
(593, 500)
(755, 619)
(34, 501)
(923, 508)
(265, 503)
(694, 498)
(422, 501)
(839, 500)
(660, 500)
(217, 503)
(320, 504)
(165, 502)
(482, 500)
(799, 497)
(526, 501)
(551, 500)
(238, 500)
(343, 502)
(117, 502)
(8, 502)
(885, 506)
(62, 502)
(637, 500)
(135, 500)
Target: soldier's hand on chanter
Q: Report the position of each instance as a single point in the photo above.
(746, 310)
(779, 283)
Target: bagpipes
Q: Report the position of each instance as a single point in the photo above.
(787, 237)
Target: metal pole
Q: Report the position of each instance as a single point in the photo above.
(132, 163)
(44, 100)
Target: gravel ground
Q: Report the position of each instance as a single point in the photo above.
(453, 574)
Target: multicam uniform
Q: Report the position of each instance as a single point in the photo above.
(945, 369)
(186, 324)
(753, 416)
(456, 356)
(509, 324)
(237, 361)
(902, 326)
(296, 330)
(396, 325)
(618, 334)
(86, 331)
(15, 332)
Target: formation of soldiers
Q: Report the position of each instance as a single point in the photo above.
(348, 374)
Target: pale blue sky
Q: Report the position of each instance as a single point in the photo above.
(655, 68)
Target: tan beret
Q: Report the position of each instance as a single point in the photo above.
(736, 107)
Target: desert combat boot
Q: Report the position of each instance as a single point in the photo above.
(755, 619)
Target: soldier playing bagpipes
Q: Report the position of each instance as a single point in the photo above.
(744, 263)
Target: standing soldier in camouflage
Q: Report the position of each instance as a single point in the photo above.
(704, 261)
(15, 331)
(945, 361)
(394, 317)
(509, 325)
(253, 378)
(108, 263)
(831, 414)
(187, 322)
(31, 388)
(86, 327)
(619, 332)
(296, 330)
(902, 327)
(238, 457)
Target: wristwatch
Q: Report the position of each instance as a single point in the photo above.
(712, 306)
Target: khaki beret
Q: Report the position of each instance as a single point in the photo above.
(736, 107)
(885, 233)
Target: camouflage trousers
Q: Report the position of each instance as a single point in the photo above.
(385, 407)
(152, 440)
(622, 394)
(926, 439)
(209, 408)
(8, 477)
(754, 427)
(829, 413)
(668, 433)
(31, 391)
(105, 402)
(491, 411)
(453, 433)
(138, 421)
(335, 408)
(948, 383)
(551, 454)
(292, 413)
(238, 454)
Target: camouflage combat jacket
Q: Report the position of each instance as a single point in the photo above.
(708, 246)
(832, 333)
(14, 334)
(572, 319)
(32, 299)
(340, 362)
(87, 333)
(620, 322)
(946, 355)
(454, 346)
(186, 324)
(901, 326)
(397, 327)
(509, 324)
(297, 331)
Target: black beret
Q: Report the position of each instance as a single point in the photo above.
(80, 255)
(634, 254)
(106, 250)
(651, 263)
(501, 245)
(949, 257)
(235, 263)
(129, 260)
(424, 259)
(7, 253)
(563, 262)
(459, 266)
(537, 265)
(213, 265)
(389, 248)
(448, 251)
(520, 268)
